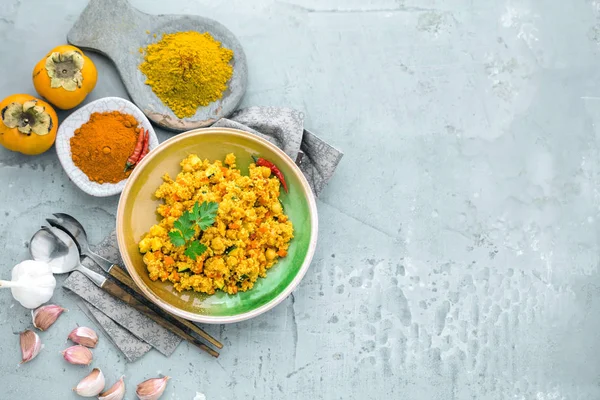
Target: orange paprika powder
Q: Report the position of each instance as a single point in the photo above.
(101, 146)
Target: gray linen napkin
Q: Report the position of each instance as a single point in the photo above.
(141, 327)
(131, 347)
(284, 127)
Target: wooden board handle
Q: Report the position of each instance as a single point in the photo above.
(116, 291)
(99, 25)
(120, 275)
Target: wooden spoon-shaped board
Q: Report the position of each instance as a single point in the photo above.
(117, 30)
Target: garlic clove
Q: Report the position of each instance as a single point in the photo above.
(91, 385)
(45, 316)
(152, 389)
(30, 345)
(84, 336)
(78, 355)
(116, 391)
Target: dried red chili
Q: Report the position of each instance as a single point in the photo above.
(146, 147)
(137, 151)
(261, 162)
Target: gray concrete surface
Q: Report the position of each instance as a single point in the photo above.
(458, 254)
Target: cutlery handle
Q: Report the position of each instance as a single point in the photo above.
(101, 261)
(115, 290)
(120, 275)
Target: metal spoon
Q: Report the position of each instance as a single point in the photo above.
(47, 246)
(74, 228)
(52, 244)
(71, 227)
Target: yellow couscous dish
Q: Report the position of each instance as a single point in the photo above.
(249, 234)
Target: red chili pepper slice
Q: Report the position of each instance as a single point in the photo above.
(261, 162)
(139, 146)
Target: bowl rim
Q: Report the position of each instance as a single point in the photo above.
(249, 314)
(64, 151)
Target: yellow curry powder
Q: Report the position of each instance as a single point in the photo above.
(187, 70)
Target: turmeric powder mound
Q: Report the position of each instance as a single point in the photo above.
(101, 146)
(187, 70)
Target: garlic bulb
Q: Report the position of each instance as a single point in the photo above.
(84, 336)
(91, 385)
(30, 345)
(45, 316)
(152, 389)
(32, 283)
(78, 355)
(116, 391)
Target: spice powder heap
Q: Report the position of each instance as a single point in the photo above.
(187, 70)
(101, 146)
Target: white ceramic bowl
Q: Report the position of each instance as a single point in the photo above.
(66, 130)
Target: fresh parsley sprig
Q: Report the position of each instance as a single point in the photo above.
(203, 215)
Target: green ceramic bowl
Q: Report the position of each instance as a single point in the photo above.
(137, 213)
